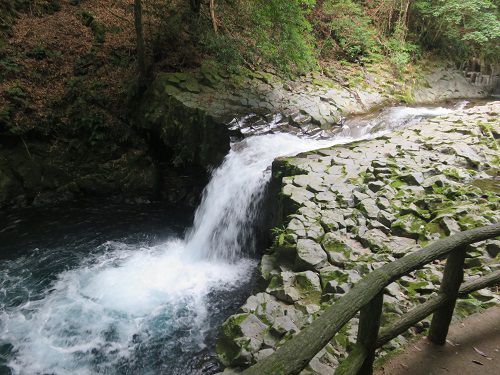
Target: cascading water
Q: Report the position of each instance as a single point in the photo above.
(230, 205)
(143, 308)
(393, 118)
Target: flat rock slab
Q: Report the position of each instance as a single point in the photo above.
(473, 348)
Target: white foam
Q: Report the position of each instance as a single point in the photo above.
(99, 307)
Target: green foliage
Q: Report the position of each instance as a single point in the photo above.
(401, 52)
(17, 96)
(82, 102)
(51, 6)
(17, 101)
(223, 49)
(281, 33)
(350, 34)
(8, 68)
(40, 53)
(273, 33)
(464, 28)
(5, 117)
(87, 63)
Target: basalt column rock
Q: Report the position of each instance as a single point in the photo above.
(185, 142)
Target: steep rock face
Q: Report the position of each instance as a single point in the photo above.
(444, 84)
(185, 141)
(259, 102)
(34, 172)
(191, 135)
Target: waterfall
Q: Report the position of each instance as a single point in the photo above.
(231, 201)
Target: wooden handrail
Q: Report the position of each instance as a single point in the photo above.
(422, 311)
(353, 364)
(295, 354)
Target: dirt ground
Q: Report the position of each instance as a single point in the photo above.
(473, 347)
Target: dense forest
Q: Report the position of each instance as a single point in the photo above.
(89, 52)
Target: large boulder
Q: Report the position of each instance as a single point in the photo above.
(310, 255)
(242, 335)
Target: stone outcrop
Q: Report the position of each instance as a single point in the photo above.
(35, 172)
(347, 210)
(260, 102)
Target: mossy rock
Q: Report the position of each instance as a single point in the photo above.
(308, 284)
(242, 334)
(409, 226)
(190, 136)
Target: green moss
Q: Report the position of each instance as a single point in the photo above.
(231, 327)
(397, 184)
(309, 293)
(341, 339)
(452, 173)
(337, 275)
(412, 288)
(406, 96)
(335, 245)
(487, 130)
(276, 282)
(409, 226)
(491, 185)
(431, 228)
(285, 167)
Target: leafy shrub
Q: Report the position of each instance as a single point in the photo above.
(51, 6)
(400, 52)
(81, 104)
(463, 28)
(349, 30)
(39, 53)
(17, 96)
(281, 34)
(8, 68)
(223, 49)
(87, 63)
(98, 29)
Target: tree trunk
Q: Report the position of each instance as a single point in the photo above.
(212, 15)
(141, 49)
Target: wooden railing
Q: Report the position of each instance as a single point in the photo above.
(367, 297)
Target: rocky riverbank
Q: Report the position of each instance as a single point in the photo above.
(183, 125)
(345, 210)
(260, 102)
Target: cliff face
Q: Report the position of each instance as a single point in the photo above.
(260, 102)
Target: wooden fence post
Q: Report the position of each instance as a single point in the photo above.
(369, 324)
(452, 279)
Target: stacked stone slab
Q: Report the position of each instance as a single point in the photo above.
(349, 209)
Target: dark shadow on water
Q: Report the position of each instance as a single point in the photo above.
(37, 245)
